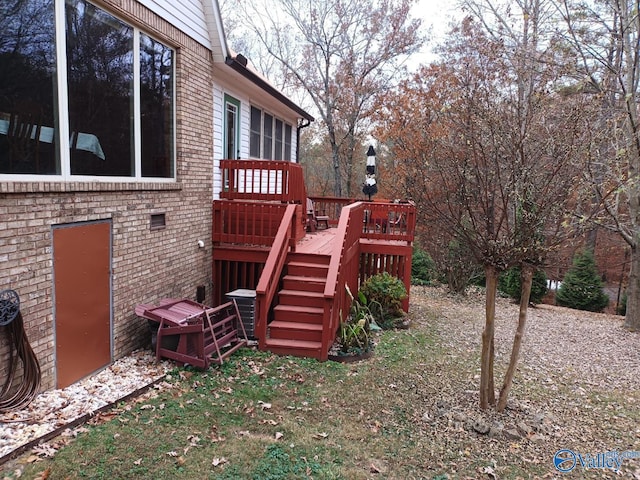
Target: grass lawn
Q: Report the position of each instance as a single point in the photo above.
(409, 412)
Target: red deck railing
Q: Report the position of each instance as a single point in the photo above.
(332, 207)
(262, 180)
(343, 271)
(389, 221)
(270, 280)
(252, 223)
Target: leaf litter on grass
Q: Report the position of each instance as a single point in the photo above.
(411, 411)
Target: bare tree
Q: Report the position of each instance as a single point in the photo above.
(605, 36)
(343, 54)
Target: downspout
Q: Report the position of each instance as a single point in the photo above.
(298, 129)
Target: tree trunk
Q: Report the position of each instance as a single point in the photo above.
(632, 316)
(525, 293)
(492, 388)
(487, 392)
(337, 176)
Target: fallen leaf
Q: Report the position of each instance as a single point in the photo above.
(45, 474)
(489, 471)
(218, 461)
(44, 450)
(181, 461)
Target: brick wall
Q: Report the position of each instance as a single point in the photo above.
(146, 264)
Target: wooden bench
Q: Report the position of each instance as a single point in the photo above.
(203, 334)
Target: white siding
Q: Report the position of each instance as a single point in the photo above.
(186, 15)
(244, 125)
(219, 91)
(218, 140)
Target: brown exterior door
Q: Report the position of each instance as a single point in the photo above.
(82, 282)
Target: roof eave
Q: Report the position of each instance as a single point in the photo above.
(239, 64)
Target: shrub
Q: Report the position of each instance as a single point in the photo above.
(353, 333)
(509, 284)
(461, 267)
(387, 292)
(423, 268)
(582, 286)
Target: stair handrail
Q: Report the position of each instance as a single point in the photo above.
(270, 277)
(343, 271)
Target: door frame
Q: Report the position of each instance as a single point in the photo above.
(61, 226)
(229, 100)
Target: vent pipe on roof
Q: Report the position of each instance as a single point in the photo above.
(300, 126)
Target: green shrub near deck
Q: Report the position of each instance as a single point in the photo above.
(388, 292)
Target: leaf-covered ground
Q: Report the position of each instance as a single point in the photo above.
(409, 412)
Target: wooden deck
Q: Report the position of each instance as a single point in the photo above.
(260, 243)
(319, 242)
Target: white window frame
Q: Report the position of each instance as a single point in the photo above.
(275, 118)
(63, 111)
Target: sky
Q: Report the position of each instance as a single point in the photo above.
(435, 14)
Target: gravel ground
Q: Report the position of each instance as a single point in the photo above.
(55, 409)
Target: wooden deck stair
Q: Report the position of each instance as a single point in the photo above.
(297, 325)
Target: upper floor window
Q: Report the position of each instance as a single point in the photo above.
(270, 137)
(111, 109)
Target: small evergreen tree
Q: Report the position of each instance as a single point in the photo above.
(423, 268)
(509, 284)
(582, 286)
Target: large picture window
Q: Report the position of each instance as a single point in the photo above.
(270, 137)
(156, 108)
(114, 100)
(28, 113)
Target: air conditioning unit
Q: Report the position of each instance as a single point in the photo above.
(246, 301)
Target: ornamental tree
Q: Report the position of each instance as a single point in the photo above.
(487, 148)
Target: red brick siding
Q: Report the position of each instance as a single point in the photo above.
(147, 265)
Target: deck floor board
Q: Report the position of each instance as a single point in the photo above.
(319, 242)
